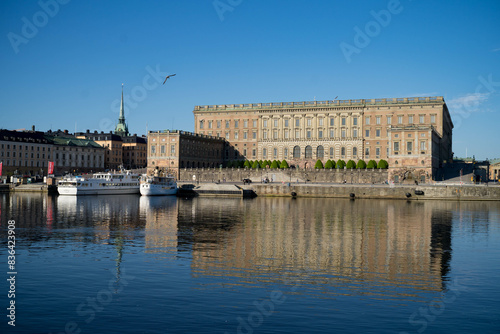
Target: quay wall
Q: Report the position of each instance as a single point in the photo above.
(429, 192)
(368, 176)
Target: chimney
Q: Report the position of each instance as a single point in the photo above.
(32, 128)
(88, 131)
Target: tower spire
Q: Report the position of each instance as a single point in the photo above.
(121, 128)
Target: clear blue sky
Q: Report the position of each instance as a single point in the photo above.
(64, 65)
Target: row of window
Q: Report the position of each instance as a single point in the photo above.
(7, 146)
(218, 123)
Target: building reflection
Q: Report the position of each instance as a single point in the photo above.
(160, 213)
(401, 243)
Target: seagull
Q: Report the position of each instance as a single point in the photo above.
(168, 76)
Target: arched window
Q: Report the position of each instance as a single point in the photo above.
(342, 151)
(354, 151)
(331, 152)
(320, 152)
(285, 152)
(275, 152)
(309, 152)
(296, 152)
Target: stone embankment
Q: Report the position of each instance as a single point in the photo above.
(353, 191)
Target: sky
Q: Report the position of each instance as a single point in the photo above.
(63, 63)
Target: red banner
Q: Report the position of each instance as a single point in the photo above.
(1, 165)
(51, 167)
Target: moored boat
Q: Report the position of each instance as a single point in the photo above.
(158, 185)
(100, 184)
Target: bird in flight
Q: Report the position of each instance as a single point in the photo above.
(168, 76)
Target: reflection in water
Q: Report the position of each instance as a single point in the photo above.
(377, 243)
(360, 245)
(160, 213)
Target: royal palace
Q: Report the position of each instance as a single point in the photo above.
(413, 134)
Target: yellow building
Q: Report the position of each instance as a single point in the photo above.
(403, 131)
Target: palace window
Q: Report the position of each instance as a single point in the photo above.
(254, 135)
(320, 152)
(422, 146)
(331, 152)
(264, 153)
(245, 135)
(275, 134)
(296, 152)
(320, 121)
(377, 133)
(355, 133)
(410, 119)
(343, 121)
(309, 121)
(396, 146)
(297, 122)
(389, 120)
(227, 124)
(355, 121)
(320, 134)
(236, 135)
(377, 152)
(400, 119)
(367, 152)
(332, 133)
(309, 152)
(286, 133)
(433, 119)
(297, 134)
(218, 124)
(342, 151)
(201, 124)
(172, 149)
(275, 123)
(285, 152)
(377, 120)
(367, 133)
(332, 121)
(162, 149)
(254, 123)
(354, 151)
(286, 122)
(308, 134)
(343, 133)
(245, 123)
(367, 120)
(421, 119)
(409, 146)
(275, 152)
(264, 123)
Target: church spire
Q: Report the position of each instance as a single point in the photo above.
(122, 128)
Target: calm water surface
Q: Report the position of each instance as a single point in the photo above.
(131, 264)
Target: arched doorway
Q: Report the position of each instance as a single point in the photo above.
(309, 152)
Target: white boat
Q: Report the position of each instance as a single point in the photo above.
(158, 185)
(100, 184)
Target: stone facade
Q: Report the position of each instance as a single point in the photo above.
(169, 151)
(348, 176)
(303, 132)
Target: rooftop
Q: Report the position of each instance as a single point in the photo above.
(322, 104)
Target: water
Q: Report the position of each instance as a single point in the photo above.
(130, 264)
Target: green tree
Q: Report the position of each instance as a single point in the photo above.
(383, 164)
(256, 165)
(318, 165)
(351, 164)
(274, 164)
(372, 164)
(340, 164)
(329, 164)
(229, 164)
(361, 164)
(267, 163)
(246, 164)
(284, 164)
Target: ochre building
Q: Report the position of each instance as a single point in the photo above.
(413, 134)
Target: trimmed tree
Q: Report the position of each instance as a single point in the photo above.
(340, 164)
(284, 164)
(246, 164)
(351, 164)
(256, 165)
(361, 164)
(318, 165)
(383, 164)
(329, 164)
(274, 164)
(372, 164)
